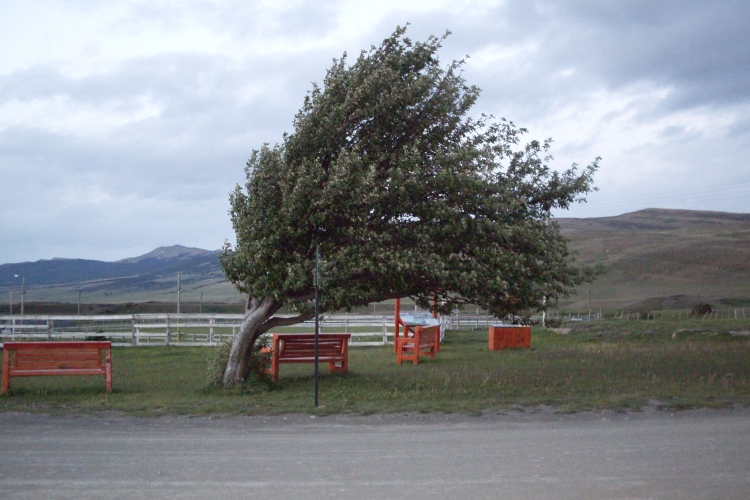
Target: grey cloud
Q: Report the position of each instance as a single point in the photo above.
(180, 165)
(699, 48)
(168, 176)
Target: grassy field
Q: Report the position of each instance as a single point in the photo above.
(608, 364)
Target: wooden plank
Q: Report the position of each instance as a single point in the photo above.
(63, 354)
(51, 372)
(57, 345)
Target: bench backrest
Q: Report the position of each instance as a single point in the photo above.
(428, 335)
(56, 355)
(297, 346)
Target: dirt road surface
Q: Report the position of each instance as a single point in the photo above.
(701, 454)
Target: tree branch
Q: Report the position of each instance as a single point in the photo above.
(276, 321)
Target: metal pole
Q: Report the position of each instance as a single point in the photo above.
(317, 317)
(544, 299)
(179, 287)
(200, 308)
(23, 293)
(11, 302)
(79, 302)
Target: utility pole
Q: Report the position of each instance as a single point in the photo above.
(79, 302)
(200, 308)
(23, 293)
(11, 302)
(179, 287)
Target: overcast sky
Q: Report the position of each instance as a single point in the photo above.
(125, 124)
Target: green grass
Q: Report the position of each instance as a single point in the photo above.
(611, 364)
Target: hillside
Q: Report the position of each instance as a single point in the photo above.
(149, 277)
(663, 258)
(654, 259)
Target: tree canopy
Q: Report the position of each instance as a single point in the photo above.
(406, 194)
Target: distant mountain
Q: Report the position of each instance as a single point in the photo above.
(149, 277)
(663, 258)
(654, 259)
(159, 262)
(175, 251)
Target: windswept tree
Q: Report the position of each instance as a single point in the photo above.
(406, 195)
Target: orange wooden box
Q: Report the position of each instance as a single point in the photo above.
(509, 336)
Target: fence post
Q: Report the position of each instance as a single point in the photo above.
(133, 331)
(385, 332)
(211, 329)
(169, 331)
(50, 328)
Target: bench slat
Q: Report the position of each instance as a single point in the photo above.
(59, 355)
(54, 365)
(59, 345)
(66, 371)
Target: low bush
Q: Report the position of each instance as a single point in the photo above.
(701, 309)
(259, 362)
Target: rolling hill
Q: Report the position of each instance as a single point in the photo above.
(653, 258)
(149, 277)
(659, 258)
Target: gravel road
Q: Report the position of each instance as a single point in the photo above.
(700, 454)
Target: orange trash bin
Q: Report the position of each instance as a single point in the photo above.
(509, 337)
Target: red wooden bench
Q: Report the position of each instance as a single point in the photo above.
(333, 348)
(28, 359)
(424, 342)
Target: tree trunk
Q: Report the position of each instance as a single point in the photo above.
(258, 320)
(256, 314)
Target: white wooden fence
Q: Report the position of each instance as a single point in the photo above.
(202, 329)
(179, 329)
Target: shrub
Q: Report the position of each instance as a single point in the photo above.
(258, 363)
(553, 323)
(701, 309)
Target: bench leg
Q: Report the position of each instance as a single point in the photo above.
(404, 346)
(275, 366)
(108, 368)
(418, 335)
(6, 370)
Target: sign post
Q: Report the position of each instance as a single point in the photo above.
(317, 316)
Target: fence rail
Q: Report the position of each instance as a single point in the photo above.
(202, 329)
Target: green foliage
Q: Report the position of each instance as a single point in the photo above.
(258, 362)
(217, 364)
(406, 195)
